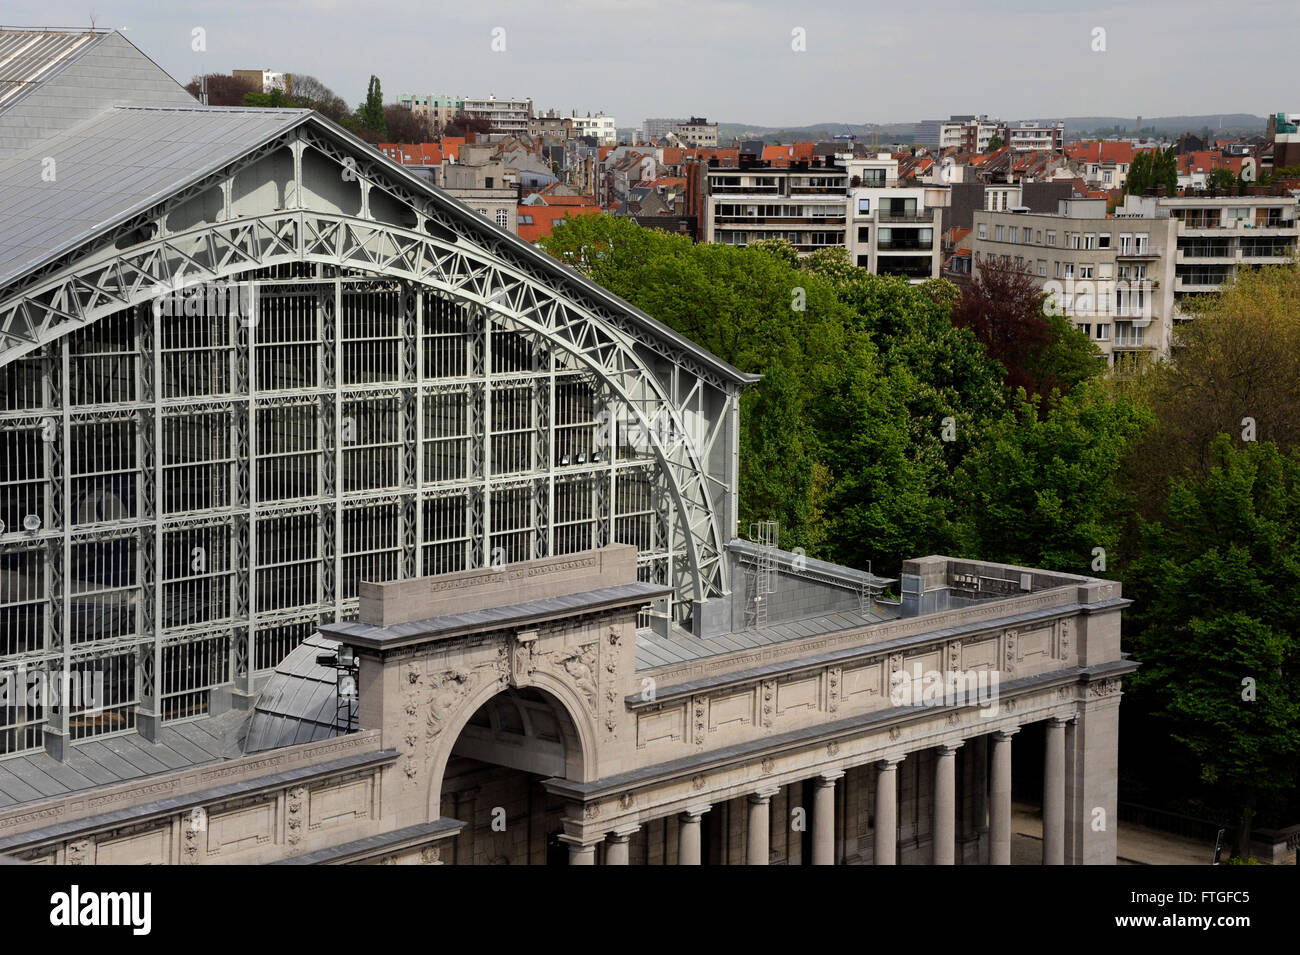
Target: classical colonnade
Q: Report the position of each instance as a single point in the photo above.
(991, 806)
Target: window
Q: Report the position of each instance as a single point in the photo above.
(1103, 333)
(1029, 235)
(864, 207)
(1014, 235)
(984, 231)
(1000, 233)
(525, 219)
(1103, 240)
(1069, 270)
(1106, 177)
(1086, 329)
(864, 233)
(1076, 240)
(488, 180)
(1139, 271)
(1058, 270)
(1040, 237)
(1051, 237)
(1085, 271)
(503, 218)
(1142, 239)
(1125, 242)
(1089, 241)
(1042, 267)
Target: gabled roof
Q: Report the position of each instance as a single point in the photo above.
(128, 160)
(29, 57)
(108, 169)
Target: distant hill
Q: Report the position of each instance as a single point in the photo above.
(1236, 124)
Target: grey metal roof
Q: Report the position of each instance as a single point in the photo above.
(654, 650)
(29, 57)
(115, 759)
(298, 703)
(112, 167)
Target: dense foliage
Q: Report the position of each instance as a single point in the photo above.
(897, 420)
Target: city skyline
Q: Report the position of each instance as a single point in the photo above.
(493, 50)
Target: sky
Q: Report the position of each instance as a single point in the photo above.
(760, 62)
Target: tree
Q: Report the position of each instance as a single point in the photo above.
(995, 142)
(311, 93)
(1041, 488)
(1151, 169)
(1216, 622)
(224, 89)
(370, 114)
(406, 125)
(1222, 180)
(462, 124)
(1003, 308)
(1235, 369)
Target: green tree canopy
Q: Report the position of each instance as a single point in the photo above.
(1217, 620)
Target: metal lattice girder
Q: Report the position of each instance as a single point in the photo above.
(112, 280)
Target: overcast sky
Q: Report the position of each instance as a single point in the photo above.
(734, 61)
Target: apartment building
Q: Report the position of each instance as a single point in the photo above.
(604, 129)
(1218, 235)
(552, 123)
(1034, 136)
(438, 110)
(893, 229)
(505, 115)
(970, 134)
(1113, 277)
(698, 132)
(804, 202)
(653, 130)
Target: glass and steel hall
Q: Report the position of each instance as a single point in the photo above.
(246, 363)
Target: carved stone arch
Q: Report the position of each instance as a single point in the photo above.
(570, 702)
(115, 280)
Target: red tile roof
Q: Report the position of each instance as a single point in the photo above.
(545, 217)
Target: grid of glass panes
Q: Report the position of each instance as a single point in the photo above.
(371, 544)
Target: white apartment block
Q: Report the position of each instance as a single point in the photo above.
(505, 115)
(892, 230)
(970, 133)
(1217, 236)
(1113, 277)
(604, 128)
(1032, 137)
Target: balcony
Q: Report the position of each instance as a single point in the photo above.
(1145, 252)
(922, 219)
(805, 221)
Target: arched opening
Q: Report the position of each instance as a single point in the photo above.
(493, 780)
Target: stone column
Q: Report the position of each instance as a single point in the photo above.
(1000, 808)
(887, 811)
(616, 845)
(1054, 794)
(580, 854)
(757, 850)
(945, 804)
(688, 837)
(1092, 775)
(823, 852)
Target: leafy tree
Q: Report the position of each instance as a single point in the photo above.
(406, 125)
(370, 114)
(1235, 368)
(1150, 169)
(1216, 622)
(311, 93)
(1003, 308)
(223, 88)
(1222, 179)
(462, 124)
(995, 143)
(1040, 489)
